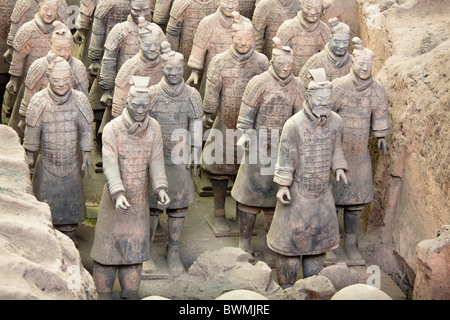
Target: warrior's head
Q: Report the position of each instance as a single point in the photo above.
(140, 8)
(62, 41)
(242, 34)
(228, 7)
(150, 39)
(173, 66)
(138, 101)
(48, 10)
(339, 37)
(362, 59)
(311, 9)
(318, 93)
(59, 74)
(282, 59)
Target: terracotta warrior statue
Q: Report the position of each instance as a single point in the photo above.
(228, 74)
(213, 36)
(32, 41)
(363, 104)
(305, 33)
(177, 107)
(59, 119)
(305, 225)
(132, 156)
(267, 18)
(36, 80)
(146, 63)
(184, 18)
(83, 26)
(335, 59)
(269, 100)
(107, 14)
(24, 11)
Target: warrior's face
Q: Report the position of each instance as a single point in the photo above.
(138, 106)
(319, 100)
(62, 48)
(60, 81)
(228, 6)
(311, 10)
(48, 10)
(173, 70)
(140, 8)
(283, 65)
(150, 46)
(339, 43)
(243, 41)
(362, 66)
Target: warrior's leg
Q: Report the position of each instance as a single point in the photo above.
(104, 278)
(312, 264)
(130, 280)
(287, 269)
(69, 230)
(268, 218)
(247, 218)
(150, 265)
(351, 220)
(219, 188)
(175, 225)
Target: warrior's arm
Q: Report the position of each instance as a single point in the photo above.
(98, 39)
(110, 158)
(157, 168)
(287, 155)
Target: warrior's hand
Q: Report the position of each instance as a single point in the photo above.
(94, 68)
(382, 145)
(340, 175)
(106, 99)
(30, 158)
(193, 77)
(11, 87)
(164, 200)
(78, 37)
(207, 121)
(243, 142)
(122, 204)
(283, 195)
(8, 55)
(87, 162)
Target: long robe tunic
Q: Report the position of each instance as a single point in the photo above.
(228, 76)
(63, 128)
(308, 225)
(363, 106)
(267, 103)
(130, 161)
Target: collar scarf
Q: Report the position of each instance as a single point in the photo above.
(226, 22)
(135, 128)
(59, 100)
(315, 121)
(337, 61)
(284, 3)
(44, 27)
(359, 84)
(172, 90)
(282, 82)
(308, 27)
(241, 57)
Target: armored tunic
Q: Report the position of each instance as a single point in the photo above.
(228, 75)
(177, 109)
(363, 106)
(25, 10)
(6, 9)
(37, 80)
(62, 128)
(129, 162)
(185, 16)
(246, 8)
(267, 103)
(267, 18)
(308, 225)
(335, 67)
(136, 66)
(122, 44)
(305, 40)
